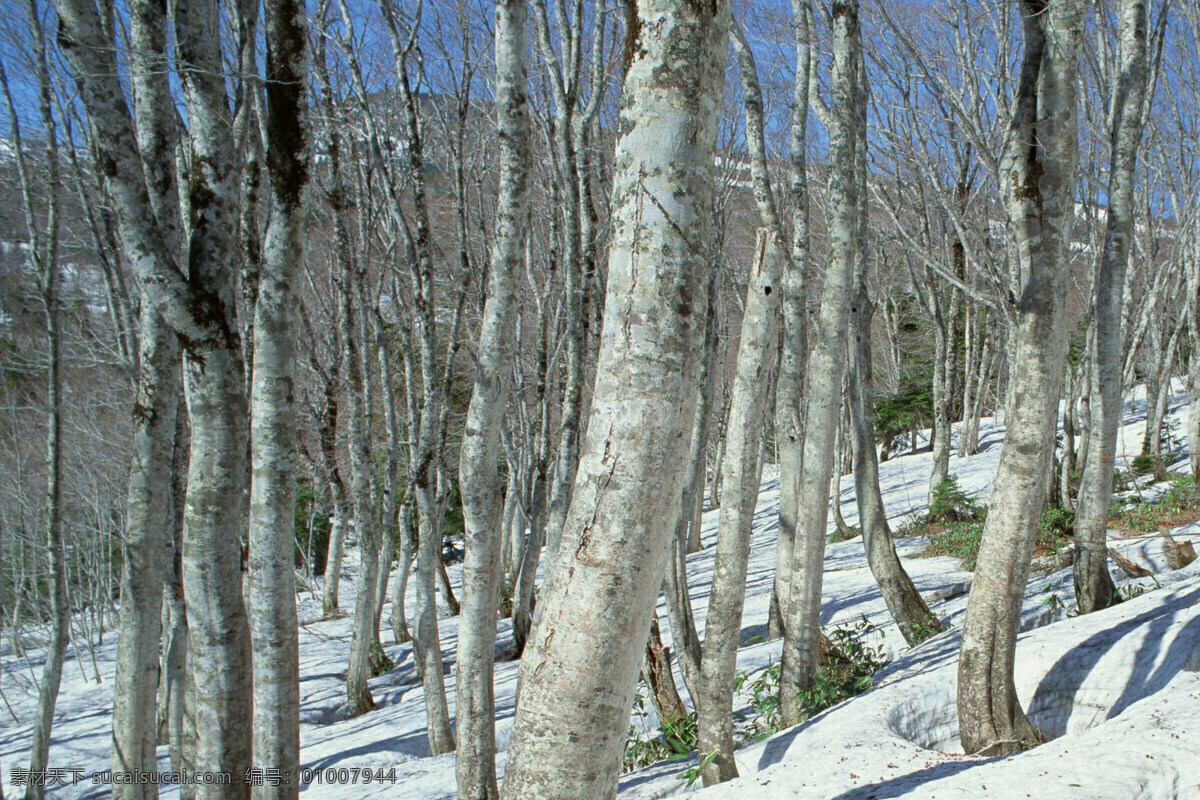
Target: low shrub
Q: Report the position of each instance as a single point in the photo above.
(1055, 529)
(849, 670)
(1178, 506)
(951, 504)
(844, 535)
(961, 539)
(1146, 464)
(674, 740)
(957, 539)
(913, 526)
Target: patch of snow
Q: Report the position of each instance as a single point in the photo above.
(1114, 687)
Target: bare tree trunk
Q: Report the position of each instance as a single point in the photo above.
(145, 561)
(533, 503)
(329, 373)
(843, 451)
(577, 680)
(905, 604)
(510, 522)
(1157, 409)
(219, 636)
(940, 446)
(908, 609)
(1039, 195)
(722, 631)
(333, 562)
(1193, 438)
(366, 531)
(793, 351)
(524, 595)
(180, 720)
(200, 309)
(43, 253)
(1192, 282)
(656, 671)
(443, 576)
(391, 478)
(971, 368)
(802, 616)
(479, 466)
(149, 520)
(691, 508)
(714, 483)
(1086, 432)
(1094, 588)
(214, 375)
(563, 73)
(682, 618)
(149, 523)
(387, 551)
(1070, 421)
(273, 441)
(428, 641)
(988, 361)
(400, 587)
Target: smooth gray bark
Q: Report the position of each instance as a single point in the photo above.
(43, 253)
(271, 595)
(793, 351)
(366, 530)
(179, 693)
(802, 615)
(722, 630)
(743, 441)
(578, 675)
(329, 372)
(399, 619)
(1039, 169)
(904, 603)
(201, 310)
(1094, 588)
(479, 464)
(333, 561)
(563, 74)
(391, 471)
(691, 509)
(148, 521)
(145, 564)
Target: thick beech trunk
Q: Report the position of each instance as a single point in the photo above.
(149, 522)
(273, 441)
(578, 675)
(145, 563)
(1039, 166)
(366, 530)
(200, 308)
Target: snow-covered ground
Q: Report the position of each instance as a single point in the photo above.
(1118, 689)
